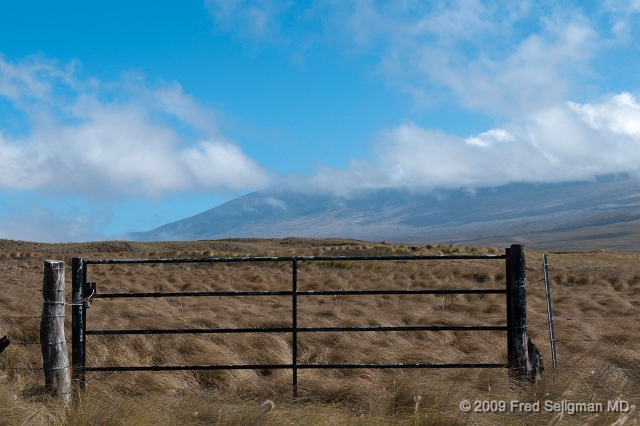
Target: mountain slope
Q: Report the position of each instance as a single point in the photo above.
(584, 213)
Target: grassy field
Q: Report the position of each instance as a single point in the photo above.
(595, 303)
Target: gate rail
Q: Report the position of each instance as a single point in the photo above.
(84, 292)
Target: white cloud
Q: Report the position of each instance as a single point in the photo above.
(31, 79)
(476, 51)
(621, 14)
(220, 161)
(490, 138)
(570, 142)
(496, 56)
(273, 202)
(254, 18)
(113, 140)
(518, 61)
(619, 115)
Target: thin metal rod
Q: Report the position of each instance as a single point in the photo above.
(412, 328)
(299, 293)
(443, 365)
(192, 293)
(294, 334)
(194, 331)
(369, 292)
(552, 336)
(296, 329)
(291, 258)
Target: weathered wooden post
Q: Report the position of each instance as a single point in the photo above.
(524, 361)
(55, 359)
(78, 319)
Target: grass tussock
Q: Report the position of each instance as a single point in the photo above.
(598, 354)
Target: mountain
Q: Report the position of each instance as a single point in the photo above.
(604, 213)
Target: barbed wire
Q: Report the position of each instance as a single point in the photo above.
(556, 319)
(22, 291)
(611, 341)
(596, 319)
(537, 325)
(34, 369)
(597, 368)
(19, 317)
(25, 343)
(11, 265)
(574, 265)
(596, 292)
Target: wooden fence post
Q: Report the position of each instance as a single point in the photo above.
(55, 359)
(525, 361)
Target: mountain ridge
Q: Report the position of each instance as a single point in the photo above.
(485, 215)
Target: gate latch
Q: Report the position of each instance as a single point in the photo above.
(89, 289)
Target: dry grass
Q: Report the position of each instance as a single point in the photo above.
(598, 357)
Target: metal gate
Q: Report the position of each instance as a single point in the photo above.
(84, 293)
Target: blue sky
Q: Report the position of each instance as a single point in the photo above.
(122, 116)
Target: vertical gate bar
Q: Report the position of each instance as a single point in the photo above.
(78, 321)
(510, 352)
(552, 336)
(294, 339)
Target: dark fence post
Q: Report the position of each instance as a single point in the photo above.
(55, 360)
(511, 355)
(521, 365)
(78, 322)
(294, 337)
(525, 361)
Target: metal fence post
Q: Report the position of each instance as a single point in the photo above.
(521, 365)
(55, 360)
(552, 336)
(78, 322)
(511, 356)
(294, 338)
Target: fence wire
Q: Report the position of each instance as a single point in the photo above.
(563, 274)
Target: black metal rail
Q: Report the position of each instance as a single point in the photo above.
(285, 366)
(299, 293)
(302, 329)
(294, 258)
(83, 292)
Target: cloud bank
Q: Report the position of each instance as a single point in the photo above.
(530, 66)
(572, 142)
(107, 140)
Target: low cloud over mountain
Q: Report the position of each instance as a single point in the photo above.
(603, 213)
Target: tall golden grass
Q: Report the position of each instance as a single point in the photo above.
(598, 357)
